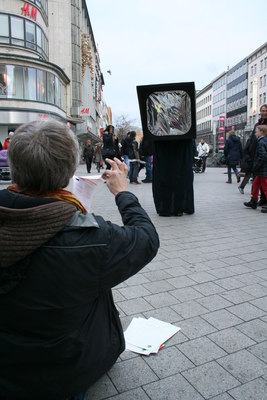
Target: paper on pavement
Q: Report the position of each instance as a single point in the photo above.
(146, 335)
(84, 187)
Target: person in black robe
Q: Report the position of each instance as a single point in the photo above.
(173, 177)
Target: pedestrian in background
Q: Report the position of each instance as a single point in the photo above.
(108, 150)
(259, 168)
(249, 153)
(203, 152)
(60, 329)
(134, 158)
(233, 152)
(147, 152)
(88, 154)
(7, 140)
(98, 157)
(125, 149)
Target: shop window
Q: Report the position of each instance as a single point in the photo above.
(3, 82)
(41, 85)
(19, 82)
(30, 83)
(50, 88)
(57, 92)
(14, 82)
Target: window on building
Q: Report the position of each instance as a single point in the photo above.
(261, 64)
(264, 80)
(15, 82)
(41, 85)
(261, 81)
(39, 39)
(21, 32)
(250, 102)
(30, 83)
(19, 82)
(30, 35)
(264, 98)
(265, 62)
(251, 70)
(260, 99)
(50, 88)
(17, 31)
(3, 82)
(255, 68)
(4, 29)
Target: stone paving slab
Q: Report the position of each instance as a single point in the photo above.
(210, 279)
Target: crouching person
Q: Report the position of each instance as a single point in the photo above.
(60, 330)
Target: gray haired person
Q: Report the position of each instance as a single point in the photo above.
(60, 330)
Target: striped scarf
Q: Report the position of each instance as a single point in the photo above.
(60, 194)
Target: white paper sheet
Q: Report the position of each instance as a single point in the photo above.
(84, 187)
(148, 334)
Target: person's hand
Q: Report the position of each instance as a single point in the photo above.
(116, 176)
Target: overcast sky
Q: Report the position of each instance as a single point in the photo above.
(146, 42)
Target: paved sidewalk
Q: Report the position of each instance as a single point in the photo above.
(210, 279)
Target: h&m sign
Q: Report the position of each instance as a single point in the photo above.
(29, 11)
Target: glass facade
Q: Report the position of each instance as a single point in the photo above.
(42, 4)
(25, 83)
(76, 66)
(237, 96)
(18, 31)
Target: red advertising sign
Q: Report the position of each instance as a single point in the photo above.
(221, 123)
(85, 110)
(29, 12)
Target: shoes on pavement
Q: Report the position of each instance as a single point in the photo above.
(228, 181)
(147, 181)
(252, 204)
(264, 206)
(136, 183)
(262, 203)
(241, 190)
(264, 210)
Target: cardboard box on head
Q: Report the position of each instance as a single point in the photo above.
(168, 111)
(168, 115)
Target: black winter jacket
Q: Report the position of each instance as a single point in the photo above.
(233, 150)
(60, 330)
(133, 150)
(125, 146)
(260, 159)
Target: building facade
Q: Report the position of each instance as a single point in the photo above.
(257, 85)
(236, 101)
(204, 114)
(49, 66)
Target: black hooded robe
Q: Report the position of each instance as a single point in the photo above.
(173, 177)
